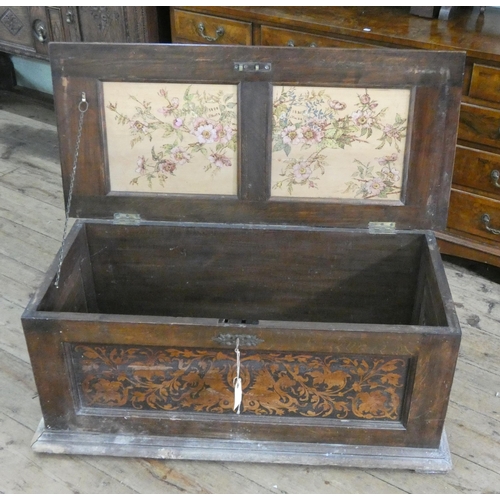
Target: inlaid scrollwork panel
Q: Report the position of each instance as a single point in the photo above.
(280, 384)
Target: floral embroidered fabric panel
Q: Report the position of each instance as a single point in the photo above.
(171, 138)
(339, 142)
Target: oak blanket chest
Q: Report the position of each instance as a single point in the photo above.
(253, 274)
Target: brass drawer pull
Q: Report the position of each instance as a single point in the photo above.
(486, 221)
(219, 33)
(495, 176)
(291, 43)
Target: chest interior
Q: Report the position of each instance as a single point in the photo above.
(247, 275)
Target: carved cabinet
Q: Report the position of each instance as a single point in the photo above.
(27, 31)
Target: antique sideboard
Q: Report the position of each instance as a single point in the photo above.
(473, 229)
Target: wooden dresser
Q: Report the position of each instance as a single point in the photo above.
(474, 217)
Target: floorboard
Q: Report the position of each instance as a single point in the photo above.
(31, 219)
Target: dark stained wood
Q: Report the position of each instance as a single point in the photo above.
(74, 24)
(292, 38)
(476, 170)
(254, 274)
(421, 346)
(421, 428)
(255, 131)
(393, 26)
(485, 83)
(481, 250)
(431, 150)
(209, 29)
(470, 221)
(480, 125)
(26, 190)
(468, 29)
(347, 335)
(48, 358)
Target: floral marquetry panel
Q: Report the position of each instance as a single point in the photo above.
(273, 384)
(339, 142)
(171, 138)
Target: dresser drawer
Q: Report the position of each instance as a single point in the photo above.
(468, 214)
(485, 83)
(292, 38)
(199, 28)
(479, 124)
(477, 170)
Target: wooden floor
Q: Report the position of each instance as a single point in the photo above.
(31, 220)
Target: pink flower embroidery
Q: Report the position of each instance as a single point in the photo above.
(374, 186)
(170, 108)
(141, 165)
(180, 155)
(178, 123)
(387, 159)
(337, 105)
(391, 131)
(312, 134)
(204, 130)
(291, 135)
(224, 134)
(301, 172)
(363, 118)
(365, 99)
(139, 127)
(219, 160)
(166, 166)
(206, 134)
(391, 173)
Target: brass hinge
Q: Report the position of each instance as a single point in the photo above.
(127, 219)
(381, 227)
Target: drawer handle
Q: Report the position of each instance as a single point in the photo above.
(495, 176)
(486, 221)
(40, 31)
(219, 33)
(291, 43)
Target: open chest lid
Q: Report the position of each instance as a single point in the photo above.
(312, 136)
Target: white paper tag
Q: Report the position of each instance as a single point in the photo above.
(237, 394)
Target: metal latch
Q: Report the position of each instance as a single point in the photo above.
(382, 227)
(253, 67)
(127, 219)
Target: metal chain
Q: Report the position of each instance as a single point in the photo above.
(83, 106)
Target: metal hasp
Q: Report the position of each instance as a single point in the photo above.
(253, 67)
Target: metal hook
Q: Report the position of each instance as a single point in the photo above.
(83, 105)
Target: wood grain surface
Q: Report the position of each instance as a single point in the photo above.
(31, 219)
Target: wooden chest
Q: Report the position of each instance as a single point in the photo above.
(254, 219)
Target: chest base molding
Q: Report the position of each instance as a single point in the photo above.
(423, 460)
